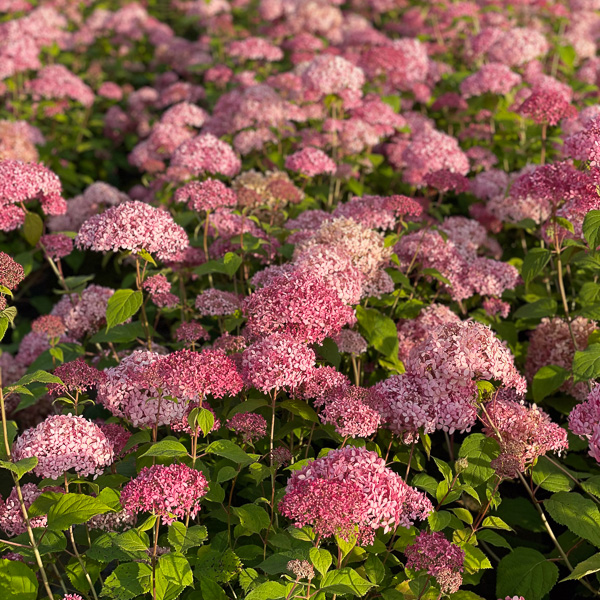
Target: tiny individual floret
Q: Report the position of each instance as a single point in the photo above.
(310, 162)
(64, 442)
(57, 245)
(302, 569)
(250, 426)
(433, 553)
(170, 492)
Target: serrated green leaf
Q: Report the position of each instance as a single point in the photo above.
(591, 228)
(72, 509)
(345, 581)
(525, 572)
(321, 559)
(586, 363)
(547, 380)
(544, 307)
(166, 449)
(586, 567)
(33, 228)
(17, 581)
(127, 581)
(20, 467)
(122, 305)
(580, 515)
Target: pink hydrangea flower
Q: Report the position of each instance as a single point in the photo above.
(206, 195)
(191, 332)
(205, 154)
(76, 376)
(213, 303)
(64, 442)
(170, 492)
(310, 162)
(11, 272)
(133, 226)
(57, 245)
(50, 325)
(250, 426)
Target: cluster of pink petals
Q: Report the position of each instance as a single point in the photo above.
(584, 421)
(493, 78)
(11, 516)
(546, 106)
(159, 289)
(117, 435)
(205, 154)
(170, 492)
(133, 226)
(250, 426)
(21, 182)
(215, 303)
(524, 433)
(206, 195)
(64, 442)
(276, 362)
(57, 82)
(50, 325)
(254, 48)
(433, 553)
(11, 272)
(191, 332)
(301, 305)
(310, 162)
(57, 245)
(76, 376)
(376, 496)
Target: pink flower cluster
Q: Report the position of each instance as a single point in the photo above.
(310, 162)
(11, 272)
(250, 426)
(584, 421)
(170, 492)
(11, 516)
(206, 195)
(76, 376)
(64, 442)
(350, 493)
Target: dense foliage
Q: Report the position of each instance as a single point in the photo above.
(299, 299)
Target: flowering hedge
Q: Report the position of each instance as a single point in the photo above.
(299, 299)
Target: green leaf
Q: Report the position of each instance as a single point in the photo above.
(374, 569)
(33, 228)
(173, 575)
(479, 450)
(379, 330)
(140, 437)
(591, 228)
(592, 485)
(252, 517)
(127, 581)
(493, 538)
(72, 509)
(345, 581)
(475, 559)
(436, 275)
(182, 538)
(145, 255)
(38, 377)
(547, 380)
(321, 559)
(119, 334)
(205, 420)
(122, 305)
(330, 352)
(549, 477)
(544, 307)
(103, 549)
(58, 354)
(133, 543)
(229, 450)
(586, 363)
(438, 520)
(166, 449)
(270, 590)
(3, 326)
(77, 576)
(496, 523)
(17, 581)
(525, 572)
(11, 430)
(21, 466)
(578, 514)
(228, 265)
(210, 589)
(300, 409)
(588, 566)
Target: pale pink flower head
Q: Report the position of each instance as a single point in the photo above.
(213, 303)
(329, 74)
(351, 342)
(50, 325)
(250, 426)
(255, 48)
(11, 272)
(57, 245)
(133, 226)
(524, 433)
(584, 421)
(277, 362)
(64, 442)
(184, 114)
(205, 154)
(493, 78)
(110, 91)
(206, 195)
(21, 182)
(301, 305)
(310, 162)
(170, 492)
(57, 82)
(350, 493)
(432, 552)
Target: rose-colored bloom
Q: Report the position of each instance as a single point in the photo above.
(276, 362)
(329, 74)
(524, 434)
(133, 226)
(159, 289)
(76, 376)
(206, 195)
(584, 421)
(255, 48)
(11, 517)
(57, 82)
(310, 162)
(213, 303)
(117, 435)
(170, 492)
(251, 426)
(11, 272)
(64, 442)
(57, 245)
(546, 106)
(494, 78)
(110, 91)
(350, 492)
(49, 325)
(206, 154)
(433, 553)
(301, 305)
(351, 342)
(191, 332)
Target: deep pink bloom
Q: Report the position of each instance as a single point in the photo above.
(546, 106)
(77, 376)
(310, 162)
(57, 245)
(206, 154)
(433, 553)
(50, 325)
(11, 272)
(584, 421)
(191, 332)
(214, 303)
(251, 426)
(57, 82)
(206, 195)
(117, 435)
(64, 442)
(170, 492)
